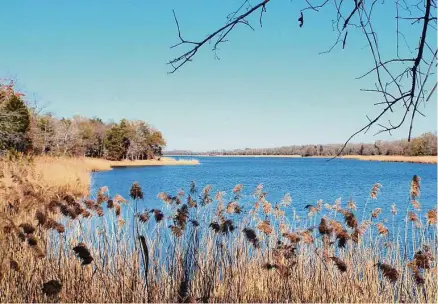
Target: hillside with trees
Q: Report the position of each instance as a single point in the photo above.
(22, 129)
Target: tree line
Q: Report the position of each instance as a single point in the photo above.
(423, 145)
(23, 129)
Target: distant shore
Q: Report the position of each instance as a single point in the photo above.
(164, 161)
(382, 158)
(395, 158)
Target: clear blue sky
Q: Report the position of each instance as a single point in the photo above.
(270, 88)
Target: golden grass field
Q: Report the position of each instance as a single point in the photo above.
(73, 174)
(164, 161)
(58, 246)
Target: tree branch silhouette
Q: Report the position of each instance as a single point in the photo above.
(402, 81)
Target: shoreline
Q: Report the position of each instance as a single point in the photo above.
(395, 158)
(164, 161)
(381, 158)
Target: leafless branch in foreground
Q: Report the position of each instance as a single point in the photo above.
(403, 81)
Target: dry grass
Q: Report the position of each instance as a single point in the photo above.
(262, 156)
(203, 253)
(164, 161)
(395, 158)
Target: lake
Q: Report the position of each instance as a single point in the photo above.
(306, 179)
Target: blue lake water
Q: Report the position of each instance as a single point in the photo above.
(307, 180)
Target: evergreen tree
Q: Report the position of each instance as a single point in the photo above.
(16, 121)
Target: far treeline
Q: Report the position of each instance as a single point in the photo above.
(22, 129)
(423, 145)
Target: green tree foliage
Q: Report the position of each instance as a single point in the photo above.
(22, 128)
(15, 123)
(117, 141)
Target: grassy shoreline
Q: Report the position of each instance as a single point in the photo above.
(58, 246)
(73, 174)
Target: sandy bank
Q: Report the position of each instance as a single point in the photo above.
(164, 161)
(253, 156)
(395, 158)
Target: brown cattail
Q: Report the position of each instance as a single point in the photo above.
(158, 215)
(227, 226)
(431, 216)
(181, 217)
(7, 229)
(339, 264)
(269, 266)
(237, 188)
(52, 206)
(412, 216)
(215, 226)
(37, 252)
(66, 211)
(83, 253)
(110, 204)
(41, 217)
(375, 190)
(266, 208)
(165, 197)
(265, 227)
(421, 260)
(27, 228)
(311, 210)
(69, 199)
(195, 223)
(415, 187)
(14, 265)
(337, 226)
(351, 205)
(251, 236)
(117, 209)
(176, 231)
(376, 212)
(292, 237)
(32, 241)
(143, 217)
(324, 228)
(233, 207)
(382, 229)
(89, 203)
(50, 224)
(342, 237)
(389, 272)
(350, 219)
(52, 288)
(136, 192)
(60, 228)
(101, 198)
(191, 202)
(416, 204)
(306, 236)
(118, 199)
(99, 210)
(419, 278)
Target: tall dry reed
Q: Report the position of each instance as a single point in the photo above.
(58, 246)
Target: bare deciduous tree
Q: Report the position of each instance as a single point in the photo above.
(404, 80)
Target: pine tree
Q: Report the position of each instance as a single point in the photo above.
(16, 124)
